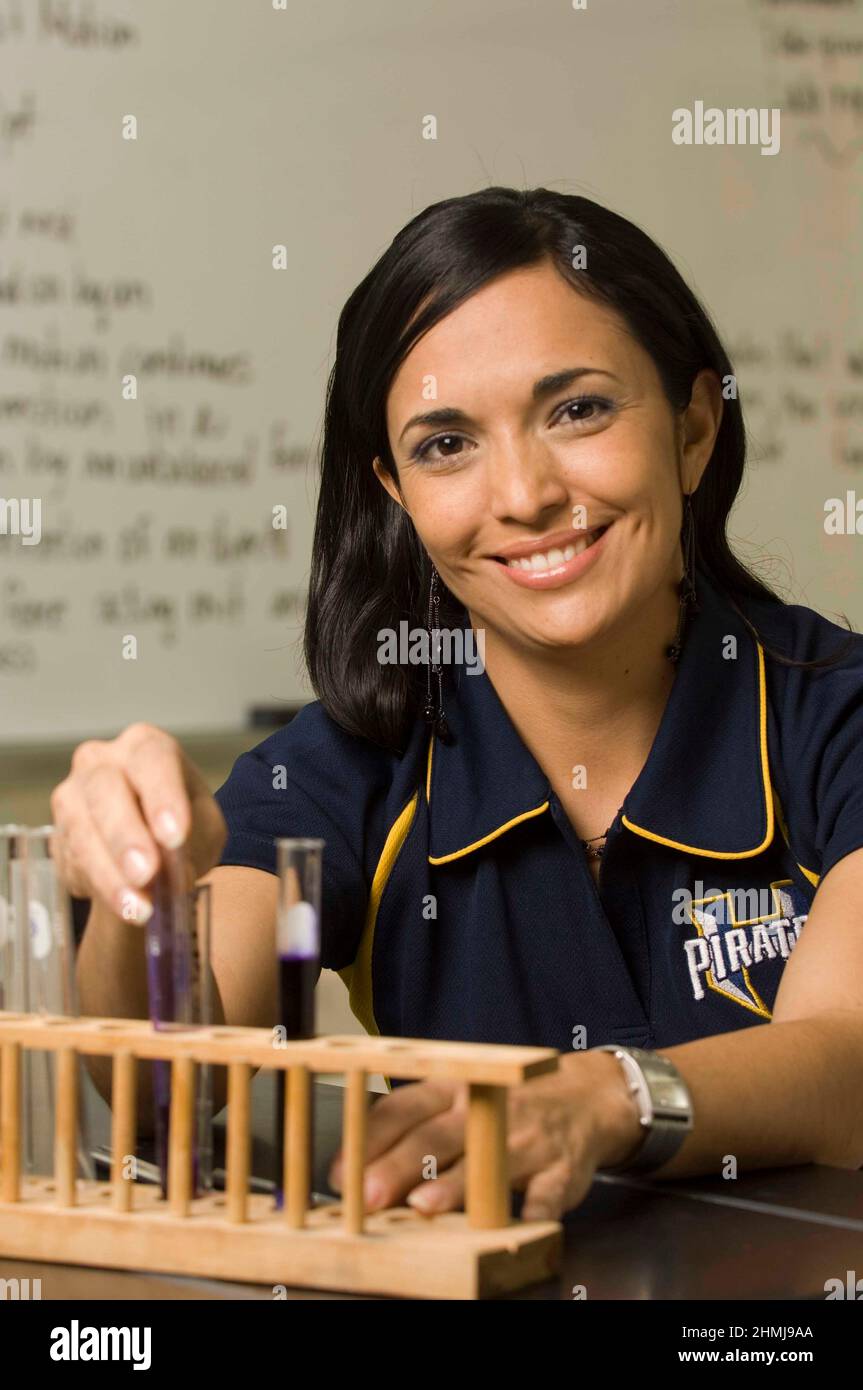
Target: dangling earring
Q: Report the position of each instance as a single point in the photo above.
(433, 709)
(686, 589)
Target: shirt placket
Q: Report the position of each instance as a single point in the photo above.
(628, 1019)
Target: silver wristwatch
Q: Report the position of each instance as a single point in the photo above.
(664, 1106)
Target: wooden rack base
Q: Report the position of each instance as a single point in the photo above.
(238, 1235)
(399, 1252)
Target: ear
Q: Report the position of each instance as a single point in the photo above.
(699, 426)
(388, 482)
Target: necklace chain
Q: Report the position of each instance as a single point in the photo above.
(595, 851)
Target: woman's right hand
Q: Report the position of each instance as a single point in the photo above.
(124, 800)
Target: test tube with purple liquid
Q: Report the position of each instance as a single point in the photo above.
(180, 997)
(298, 950)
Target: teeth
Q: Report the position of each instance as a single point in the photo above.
(552, 558)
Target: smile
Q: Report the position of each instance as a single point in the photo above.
(557, 564)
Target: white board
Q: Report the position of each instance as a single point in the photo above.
(259, 126)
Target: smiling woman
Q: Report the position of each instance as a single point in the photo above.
(540, 460)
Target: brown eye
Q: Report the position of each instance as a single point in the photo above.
(590, 409)
(448, 444)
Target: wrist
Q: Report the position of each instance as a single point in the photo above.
(664, 1106)
(617, 1128)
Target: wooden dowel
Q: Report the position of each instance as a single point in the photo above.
(10, 1121)
(487, 1167)
(180, 1132)
(123, 1128)
(66, 1127)
(239, 1141)
(296, 1179)
(354, 1151)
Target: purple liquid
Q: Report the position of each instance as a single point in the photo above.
(298, 976)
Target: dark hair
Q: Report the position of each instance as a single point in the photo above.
(369, 569)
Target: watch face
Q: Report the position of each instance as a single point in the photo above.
(669, 1097)
(666, 1092)
(664, 1104)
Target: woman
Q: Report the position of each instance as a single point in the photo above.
(610, 831)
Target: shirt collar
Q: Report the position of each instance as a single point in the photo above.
(705, 788)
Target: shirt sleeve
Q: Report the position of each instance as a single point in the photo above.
(839, 786)
(822, 738)
(293, 784)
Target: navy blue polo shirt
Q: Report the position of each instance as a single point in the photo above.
(457, 899)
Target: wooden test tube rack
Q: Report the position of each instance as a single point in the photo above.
(240, 1236)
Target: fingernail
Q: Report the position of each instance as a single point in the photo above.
(134, 909)
(422, 1199)
(373, 1192)
(168, 829)
(136, 866)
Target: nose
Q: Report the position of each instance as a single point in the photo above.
(525, 480)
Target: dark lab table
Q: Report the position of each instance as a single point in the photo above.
(777, 1234)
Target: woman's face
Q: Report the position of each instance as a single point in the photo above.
(541, 463)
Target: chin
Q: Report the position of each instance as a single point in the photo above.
(567, 633)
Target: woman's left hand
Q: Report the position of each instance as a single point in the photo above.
(561, 1128)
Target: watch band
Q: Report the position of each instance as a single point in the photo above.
(664, 1106)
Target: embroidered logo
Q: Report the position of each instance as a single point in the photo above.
(729, 942)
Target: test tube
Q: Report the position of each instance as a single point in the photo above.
(180, 996)
(298, 951)
(298, 941)
(37, 975)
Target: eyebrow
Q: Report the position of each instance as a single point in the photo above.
(544, 387)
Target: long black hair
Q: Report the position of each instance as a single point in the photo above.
(369, 569)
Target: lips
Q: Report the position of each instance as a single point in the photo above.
(538, 558)
(552, 561)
